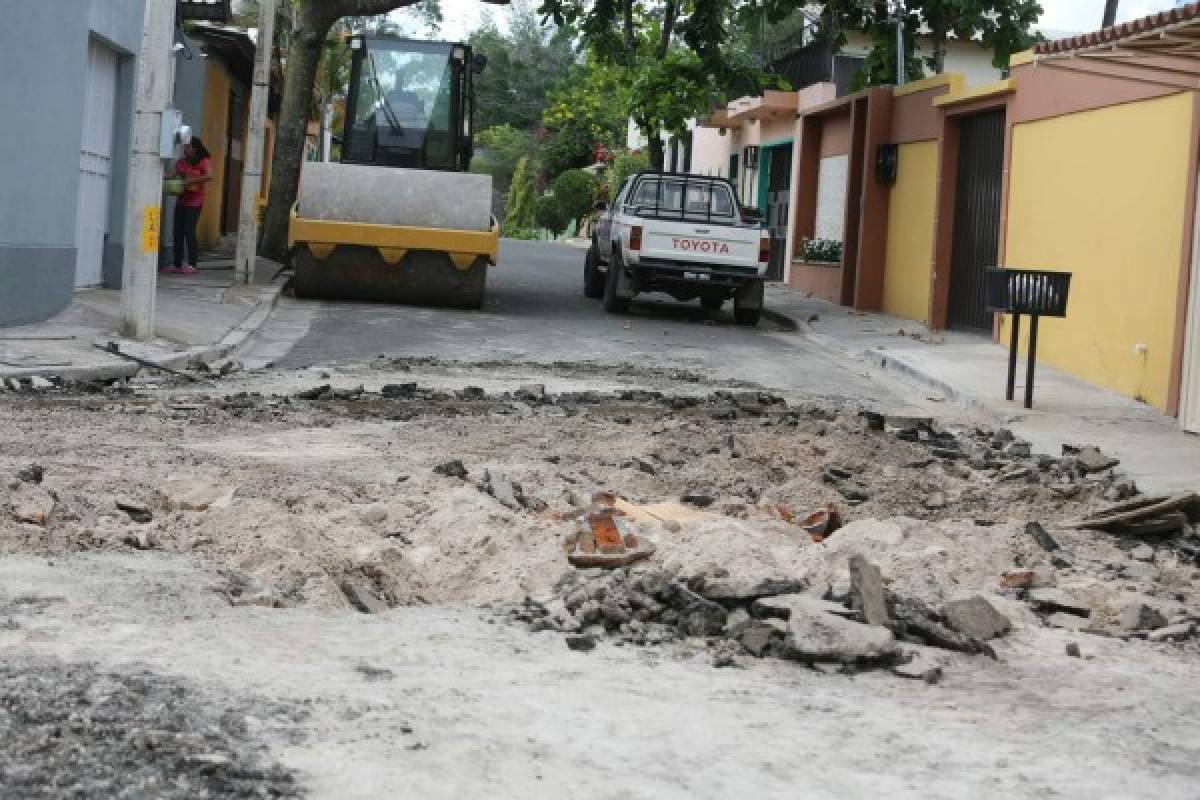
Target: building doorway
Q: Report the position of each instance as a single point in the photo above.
(95, 164)
(779, 189)
(976, 219)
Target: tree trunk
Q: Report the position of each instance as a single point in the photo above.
(657, 154)
(1110, 13)
(298, 90)
(939, 35)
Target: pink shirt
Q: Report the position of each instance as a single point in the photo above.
(193, 196)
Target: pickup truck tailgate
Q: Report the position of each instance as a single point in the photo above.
(707, 244)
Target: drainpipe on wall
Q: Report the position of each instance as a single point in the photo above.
(143, 210)
(247, 238)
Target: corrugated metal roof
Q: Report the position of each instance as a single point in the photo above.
(1187, 16)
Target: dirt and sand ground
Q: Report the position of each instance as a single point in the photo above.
(308, 502)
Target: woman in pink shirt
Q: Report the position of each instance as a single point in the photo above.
(195, 170)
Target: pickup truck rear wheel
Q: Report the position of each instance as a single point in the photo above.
(748, 303)
(613, 302)
(747, 316)
(593, 278)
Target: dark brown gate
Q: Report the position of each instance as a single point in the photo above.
(976, 219)
(779, 181)
(235, 157)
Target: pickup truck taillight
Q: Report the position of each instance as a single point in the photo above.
(635, 238)
(764, 251)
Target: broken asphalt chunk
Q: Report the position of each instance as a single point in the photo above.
(1039, 535)
(314, 393)
(452, 469)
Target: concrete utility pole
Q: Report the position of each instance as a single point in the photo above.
(1110, 13)
(900, 76)
(247, 239)
(143, 208)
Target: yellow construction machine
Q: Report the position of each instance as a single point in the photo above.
(399, 218)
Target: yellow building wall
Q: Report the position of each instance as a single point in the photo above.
(1101, 194)
(911, 210)
(215, 135)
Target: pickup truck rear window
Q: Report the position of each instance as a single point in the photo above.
(680, 197)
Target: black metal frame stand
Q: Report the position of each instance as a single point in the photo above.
(1031, 358)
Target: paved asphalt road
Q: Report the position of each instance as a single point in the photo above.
(536, 311)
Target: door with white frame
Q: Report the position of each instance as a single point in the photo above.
(95, 163)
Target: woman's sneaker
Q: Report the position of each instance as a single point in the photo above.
(188, 271)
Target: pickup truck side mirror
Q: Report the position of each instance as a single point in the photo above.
(601, 206)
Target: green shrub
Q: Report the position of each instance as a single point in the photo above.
(551, 215)
(575, 191)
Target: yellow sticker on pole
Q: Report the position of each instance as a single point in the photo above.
(151, 234)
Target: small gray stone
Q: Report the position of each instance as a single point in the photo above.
(737, 621)
(935, 501)
(1141, 617)
(499, 487)
(727, 590)
(581, 642)
(362, 599)
(1143, 552)
(1073, 650)
(1092, 460)
(1173, 633)
(758, 637)
(866, 587)
(976, 617)
(919, 667)
(39, 383)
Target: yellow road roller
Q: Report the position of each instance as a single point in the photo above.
(399, 218)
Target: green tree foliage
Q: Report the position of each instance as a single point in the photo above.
(673, 57)
(1002, 26)
(587, 109)
(498, 150)
(521, 201)
(622, 166)
(575, 192)
(550, 214)
(525, 62)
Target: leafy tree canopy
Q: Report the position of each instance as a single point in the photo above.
(525, 62)
(673, 57)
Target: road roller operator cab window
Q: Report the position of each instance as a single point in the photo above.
(409, 104)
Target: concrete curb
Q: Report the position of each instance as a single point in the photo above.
(889, 362)
(229, 344)
(789, 324)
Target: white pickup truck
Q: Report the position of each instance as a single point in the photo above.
(684, 235)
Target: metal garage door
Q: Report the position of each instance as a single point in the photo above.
(976, 218)
(95, 163)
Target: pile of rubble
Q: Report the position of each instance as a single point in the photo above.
(774, 617)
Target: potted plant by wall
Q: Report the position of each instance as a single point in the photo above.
(821, 252)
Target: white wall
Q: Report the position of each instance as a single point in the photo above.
(831, 198)
(710, 152)
(969, 59)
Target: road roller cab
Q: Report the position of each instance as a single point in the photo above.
(399, 218)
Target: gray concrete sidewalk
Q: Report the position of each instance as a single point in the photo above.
(205, 316)
(970, 370)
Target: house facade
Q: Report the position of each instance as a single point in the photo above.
(1084, 159)
(67, 73)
